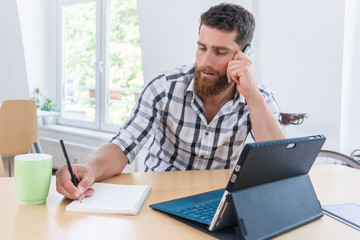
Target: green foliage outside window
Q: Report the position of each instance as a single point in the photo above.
(125, 52)
(125, 76)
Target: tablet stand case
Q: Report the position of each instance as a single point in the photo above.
(270, 209)
(267, 210)
(272, 199)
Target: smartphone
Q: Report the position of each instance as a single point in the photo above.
(247, 51)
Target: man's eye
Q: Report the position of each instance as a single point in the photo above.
(220, 53)
(202, 48)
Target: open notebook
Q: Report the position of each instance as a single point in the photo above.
(112, 198)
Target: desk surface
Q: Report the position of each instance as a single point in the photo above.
(333, 184)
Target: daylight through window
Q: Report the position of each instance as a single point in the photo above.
(100, 61)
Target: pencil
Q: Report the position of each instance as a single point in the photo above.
(73, 179)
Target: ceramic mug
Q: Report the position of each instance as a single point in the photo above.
(33, 176)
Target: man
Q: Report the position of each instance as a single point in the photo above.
(199, 115)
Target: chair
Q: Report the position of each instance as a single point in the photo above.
(327, 156)
(355, 154)
(292, 118)
(2, 170)
(324, 156)
(18, 128)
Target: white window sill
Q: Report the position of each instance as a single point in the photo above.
(80, 143)
(56, 131)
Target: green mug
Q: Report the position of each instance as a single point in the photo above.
(33, 175)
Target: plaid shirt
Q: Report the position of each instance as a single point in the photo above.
(169, 110)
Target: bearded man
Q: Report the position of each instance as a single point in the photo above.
(199, 115)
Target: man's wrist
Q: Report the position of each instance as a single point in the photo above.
(92, 167)
(255, 97)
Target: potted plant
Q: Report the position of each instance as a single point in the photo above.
(44, 103)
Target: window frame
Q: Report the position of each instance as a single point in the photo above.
(101, 65)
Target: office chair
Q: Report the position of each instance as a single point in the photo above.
(328, 156)
(2, 169)
(325, 156)
(292, 118)
(355, 154)
(18, 128)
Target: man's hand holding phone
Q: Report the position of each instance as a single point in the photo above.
(240, 71)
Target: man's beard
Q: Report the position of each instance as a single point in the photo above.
(209, 87)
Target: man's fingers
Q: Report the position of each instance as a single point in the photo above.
(84, 185)
(233, 64)
(60, 189)
(236, 56)
(65, 186)
(229, 77)
(235, 73)
(85, 179)
(89, 192)
(69, 186)
(241, 55)
(238, 68)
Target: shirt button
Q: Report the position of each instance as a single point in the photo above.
(206, 133)
(202, 156)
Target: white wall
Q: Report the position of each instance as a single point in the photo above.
(38, 29)
(27, 47)
(169, 32)
(299, 50)
(350, 121)
(13, 78)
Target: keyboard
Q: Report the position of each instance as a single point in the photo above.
(203, 212)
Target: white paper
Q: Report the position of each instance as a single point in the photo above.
(112, 198)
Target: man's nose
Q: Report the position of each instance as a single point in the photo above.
(207, 60)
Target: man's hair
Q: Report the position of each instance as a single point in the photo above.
(230, 17)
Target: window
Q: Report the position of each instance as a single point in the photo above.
(100, 71)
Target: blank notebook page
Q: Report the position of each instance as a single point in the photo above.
(112, 198)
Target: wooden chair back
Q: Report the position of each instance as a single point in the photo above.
(18, 126)
(2, 169)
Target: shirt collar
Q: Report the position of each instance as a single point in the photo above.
(239, 99)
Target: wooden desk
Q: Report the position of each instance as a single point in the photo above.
(333, 184)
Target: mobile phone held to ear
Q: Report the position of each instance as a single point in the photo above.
(247, 51)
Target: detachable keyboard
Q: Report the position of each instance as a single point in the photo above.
(203, 212)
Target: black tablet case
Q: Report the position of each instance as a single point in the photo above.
(272, 193)
(267, 210)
